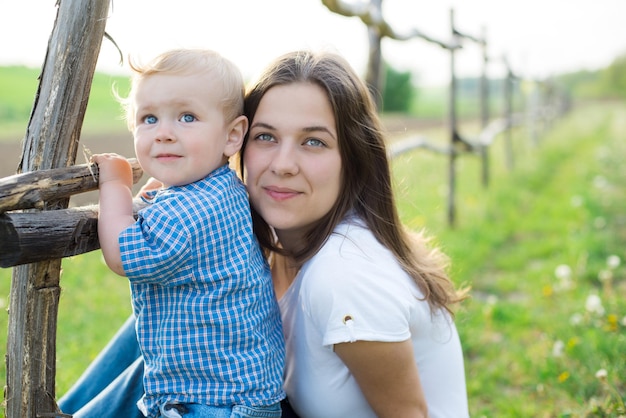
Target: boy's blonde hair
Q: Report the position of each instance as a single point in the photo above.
(187, 62)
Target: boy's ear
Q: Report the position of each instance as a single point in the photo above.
(236, 132)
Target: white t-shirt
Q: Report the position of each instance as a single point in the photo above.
(354, 289)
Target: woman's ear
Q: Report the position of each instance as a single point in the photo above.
(237, 130)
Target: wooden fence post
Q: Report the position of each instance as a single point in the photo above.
(508, 115)
(51, 141)
(375, 74)
(452, 120)
(484, 108)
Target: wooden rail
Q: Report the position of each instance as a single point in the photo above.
(34, 189)
(67, 232)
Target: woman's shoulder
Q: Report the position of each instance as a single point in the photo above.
(352, 250)
(351, 237)
(354, 266)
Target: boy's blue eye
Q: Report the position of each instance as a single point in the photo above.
(187, 118)
(150, 119)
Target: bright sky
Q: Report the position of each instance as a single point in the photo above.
(538, 37)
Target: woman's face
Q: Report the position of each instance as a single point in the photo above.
(292, 161)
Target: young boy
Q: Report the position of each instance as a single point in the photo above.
(207, 319)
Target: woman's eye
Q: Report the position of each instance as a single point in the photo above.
(187, 118)
(150, 119)
(264, 137)
(314, 142)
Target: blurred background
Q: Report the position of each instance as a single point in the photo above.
(507, 127)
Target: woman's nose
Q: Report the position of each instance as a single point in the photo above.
(285, 161)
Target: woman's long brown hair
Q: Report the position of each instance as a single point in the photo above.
(366, 174)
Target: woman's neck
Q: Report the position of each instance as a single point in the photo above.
(284, 271)
(291, 240)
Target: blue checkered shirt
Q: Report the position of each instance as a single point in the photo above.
(207, 318)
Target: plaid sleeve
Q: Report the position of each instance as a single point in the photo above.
(154, 248)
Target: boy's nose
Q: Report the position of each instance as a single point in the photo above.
(165, 133)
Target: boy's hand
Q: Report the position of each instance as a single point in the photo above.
(113, 167)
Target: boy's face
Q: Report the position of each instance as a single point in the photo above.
(180, 131)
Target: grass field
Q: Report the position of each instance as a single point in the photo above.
(18, 86)
(543, 247)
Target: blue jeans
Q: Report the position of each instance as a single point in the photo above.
(205, 411)
(113, 382)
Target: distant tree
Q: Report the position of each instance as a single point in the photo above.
(399, 90)
(609, 82)
(582, 84)
(613, 78)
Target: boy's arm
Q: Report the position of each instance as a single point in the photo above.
(116, 205)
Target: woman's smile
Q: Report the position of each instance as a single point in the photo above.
(281, 193)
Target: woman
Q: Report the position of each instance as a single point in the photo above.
(366, 306)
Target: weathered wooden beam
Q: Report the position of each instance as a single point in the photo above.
(409, 144)
(67, 232)
(35, 188)
(51, 141)
(372, 17)
(371, 14)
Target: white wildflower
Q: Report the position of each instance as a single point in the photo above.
(563, 271)
(605, 275)
(492, 300)
(601, 374)
(576, 319)
(576, 201)
(557, 348)
(593, 305)
(613, 261)
(600, 182)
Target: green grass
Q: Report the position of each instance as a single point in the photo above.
(18, 86)
(561, 204)
(15, 103)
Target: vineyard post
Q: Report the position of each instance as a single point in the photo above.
(375, 75)
(452, 120)
(508, 115)
(484, 107)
